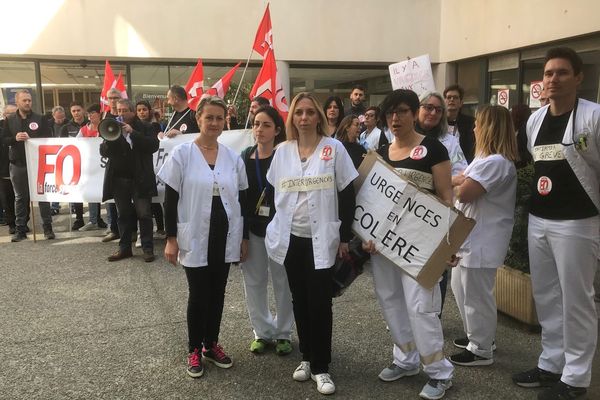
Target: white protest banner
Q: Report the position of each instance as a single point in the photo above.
(410, 227)
(72, 170)
(535, 92)
(414, 74)
(503, 97)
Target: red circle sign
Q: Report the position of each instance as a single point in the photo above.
(536, 90)
(502, 98)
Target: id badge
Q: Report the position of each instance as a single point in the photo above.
(264, 211)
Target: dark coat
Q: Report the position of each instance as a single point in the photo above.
(465, 124)
(145, 143)
(34, 124)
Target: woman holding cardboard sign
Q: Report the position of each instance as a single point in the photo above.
(410, 310)
(312, 176)
(487, 193)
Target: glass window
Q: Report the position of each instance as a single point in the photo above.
(469, 78)
(507, 79)
(17, 75)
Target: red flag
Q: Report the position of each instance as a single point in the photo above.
(263, 41)
(120, 86)
(222, 85)
(268, 85)
(109, 81)
(194, 86)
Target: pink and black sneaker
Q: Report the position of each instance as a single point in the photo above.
(217, 356)
(194, 368)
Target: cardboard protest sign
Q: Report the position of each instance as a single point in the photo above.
(414, 74)
(409, 226)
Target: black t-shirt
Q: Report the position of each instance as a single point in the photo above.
(184, 121)
(417, 167)
(258, 223)
(556, 191)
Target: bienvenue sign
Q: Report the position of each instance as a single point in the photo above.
(410, 227)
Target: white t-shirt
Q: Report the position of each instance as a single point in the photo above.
(487, 244)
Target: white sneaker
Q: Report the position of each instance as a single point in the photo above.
(89, 227)
(302, 373)
(138, 243)
(435, 389)
(394, 372)
(324, 383)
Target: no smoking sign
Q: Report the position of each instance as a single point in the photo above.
(503, 97)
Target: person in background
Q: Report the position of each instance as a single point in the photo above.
(56, 124)
(269, 131)
(356, 105)
(77, 121)
(372, 137)
(205, 191)
(347, 133)
(520, 114)
(255, 104)
(310, 228)
(143, 111)
(410, 310)
(7, 193)
(231, 121)
(486, 192)
(334, 112)
(459, 124)
(182, 120)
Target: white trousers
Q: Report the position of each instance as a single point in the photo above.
(563, 260)
(473, 290)
(256, 280)
(412, 314)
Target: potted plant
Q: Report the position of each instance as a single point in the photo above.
(514, 294)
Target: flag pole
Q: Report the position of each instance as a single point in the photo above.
(242, 78)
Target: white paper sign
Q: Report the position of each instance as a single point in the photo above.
(414, 74)
(503, 98)
(72, 170)
(406, 224)
(535, 92)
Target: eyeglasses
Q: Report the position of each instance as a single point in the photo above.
(369, 115)
(429, 108)
(398, 111)
(452, 97)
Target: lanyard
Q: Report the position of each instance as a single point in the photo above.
(581, 142)
(169, 126)
(262, 189)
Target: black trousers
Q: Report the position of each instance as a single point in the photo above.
(157, 212)
(129, 204)
(311, 297)
(206, 286)
(7, 201)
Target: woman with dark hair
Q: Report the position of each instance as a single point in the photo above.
(348, 133)
(410, 310)
(269, 130)
(520, 114)
(205, 188)
(312, 176)
(144, 112)
(334, 112)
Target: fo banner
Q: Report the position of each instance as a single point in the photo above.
(410, 227)
(72, 170)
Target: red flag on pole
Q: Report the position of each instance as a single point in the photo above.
(194, 86)
(269, 86)
(221, 87)
(263, 41)
(109, 82)
(120, 86)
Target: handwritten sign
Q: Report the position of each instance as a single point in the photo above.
(409, 226)
(414, 74)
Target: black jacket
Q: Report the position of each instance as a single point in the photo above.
(4, 169)
(34, 124)
(71, 128)
(465, 126)
(144, 144)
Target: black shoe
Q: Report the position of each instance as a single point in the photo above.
(18, 236)
(463, 342)
(12, 229)
(49, 234)
(561, 391)
(102, 224)
(120, 254)
(27, 230)
(468, 359)
(148, 256)
(536, 377)
(77, 224)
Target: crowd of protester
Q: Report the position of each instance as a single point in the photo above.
(221, 208)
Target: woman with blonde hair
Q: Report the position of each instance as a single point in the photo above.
(312, 176)
(486, 193)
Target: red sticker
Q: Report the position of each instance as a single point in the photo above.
(418, 152)
(33, 126)
(326, 153)
(183, 128)
(544, 185)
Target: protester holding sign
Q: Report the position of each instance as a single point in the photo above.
(269, 130)
(410, 310)
(312, 175)
(205, 184)
(486, 193)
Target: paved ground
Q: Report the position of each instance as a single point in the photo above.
(74, 326)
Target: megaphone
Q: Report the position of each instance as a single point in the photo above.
(109, 129)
